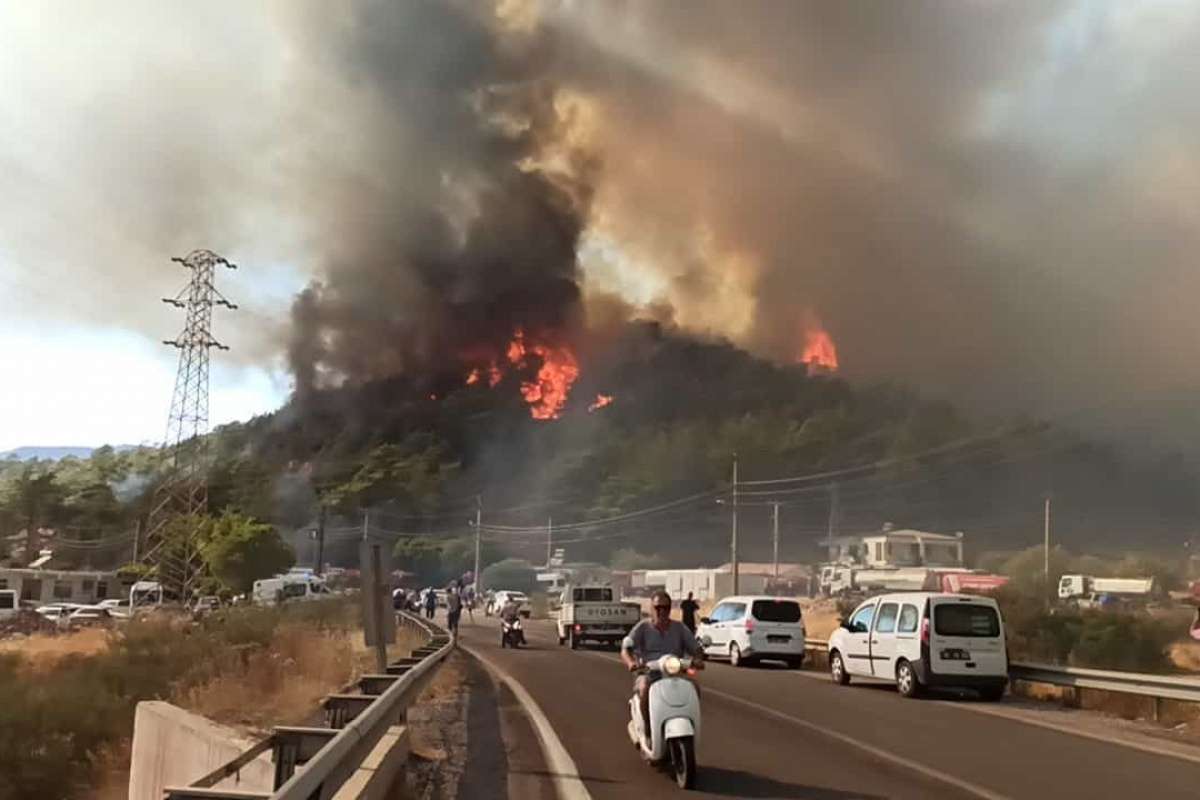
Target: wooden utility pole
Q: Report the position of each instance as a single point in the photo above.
(775, 537)
(733, 543)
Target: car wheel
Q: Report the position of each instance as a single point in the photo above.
(837, 669)
(992, 694)
(735, 655)
(906, 680)
(562, 640)
(795, 663)
(574, 641)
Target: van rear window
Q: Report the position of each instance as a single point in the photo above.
(965, 619)
(775, 611)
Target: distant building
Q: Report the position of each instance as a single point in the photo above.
(39, 586)
(704, 583)
(898, 548)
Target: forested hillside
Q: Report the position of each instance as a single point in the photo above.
(418, 452)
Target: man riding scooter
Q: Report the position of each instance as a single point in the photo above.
(652, 639)
(510, 627)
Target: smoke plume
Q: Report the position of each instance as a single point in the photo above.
(995, 202)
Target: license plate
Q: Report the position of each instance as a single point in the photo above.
(955, 654)
(778, 639)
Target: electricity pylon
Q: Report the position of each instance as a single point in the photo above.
(183, 493)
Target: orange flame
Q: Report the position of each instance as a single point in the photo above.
(547, 392)
(602, 400)
(820, 353)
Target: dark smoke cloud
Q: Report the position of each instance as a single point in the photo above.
(994, 201)
(467, 233)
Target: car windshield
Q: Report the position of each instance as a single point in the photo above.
(965, 619)
(775, 611)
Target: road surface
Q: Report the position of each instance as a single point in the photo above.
(773, 733)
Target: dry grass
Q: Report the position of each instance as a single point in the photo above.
(283, 684)
(277, 685)
(1186, 655)
(43, 650)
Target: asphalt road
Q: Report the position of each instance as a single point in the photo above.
(772, 733)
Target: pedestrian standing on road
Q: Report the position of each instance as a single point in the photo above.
(689, 607)
(453, 611)
(430, 602)
(470, 603)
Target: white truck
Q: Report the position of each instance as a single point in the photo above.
(845, 578)
(1087, 588)
(592, 613)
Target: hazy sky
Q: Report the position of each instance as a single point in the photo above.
(996, 201)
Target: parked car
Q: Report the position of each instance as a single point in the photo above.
(118, 608)
(921, 640)
(501, 597)
(754, 628)
(90, 615)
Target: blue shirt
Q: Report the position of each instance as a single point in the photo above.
(649, 643)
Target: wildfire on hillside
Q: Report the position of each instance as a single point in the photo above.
(547, 391)
(819, 353)
(600, 402)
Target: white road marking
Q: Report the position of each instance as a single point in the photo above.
(567, 782)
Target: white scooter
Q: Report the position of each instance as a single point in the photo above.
(674, 719)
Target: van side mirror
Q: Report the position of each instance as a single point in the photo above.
(846, 625)
(705, 620)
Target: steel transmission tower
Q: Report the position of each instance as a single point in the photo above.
(183, 492)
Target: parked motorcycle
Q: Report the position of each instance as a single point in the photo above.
(674, 719)
(511, 633)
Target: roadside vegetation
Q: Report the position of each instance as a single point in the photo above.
(66, 720)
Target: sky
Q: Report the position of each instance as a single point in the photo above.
(998, 203)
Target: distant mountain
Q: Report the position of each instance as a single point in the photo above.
(54, 453)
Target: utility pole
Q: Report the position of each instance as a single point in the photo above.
(831, 529)
(183, 493)
(319, 567)
(137, 534)
(733, 543)
(1046, 547)
(549, 538)
(775, 537)
(377, 606)
(366, 524)
(478, 534)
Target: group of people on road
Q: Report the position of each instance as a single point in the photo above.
(426, 601)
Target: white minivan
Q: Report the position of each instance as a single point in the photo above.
(923, 639)
(754, 628)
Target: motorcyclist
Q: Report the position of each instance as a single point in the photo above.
(654, 638)
(510, 612)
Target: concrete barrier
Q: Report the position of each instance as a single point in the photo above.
(173, 747)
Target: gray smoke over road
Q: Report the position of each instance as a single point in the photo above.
(996, 202)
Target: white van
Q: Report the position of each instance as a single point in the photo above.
(282, 588)
(754, 628)
(923, 639)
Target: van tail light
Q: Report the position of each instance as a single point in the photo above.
(749, 625)
(578, 628)
(925, 631)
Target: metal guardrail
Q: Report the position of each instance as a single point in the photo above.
(314, 763)
(1161, 687)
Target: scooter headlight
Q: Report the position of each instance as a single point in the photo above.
(671, 665)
